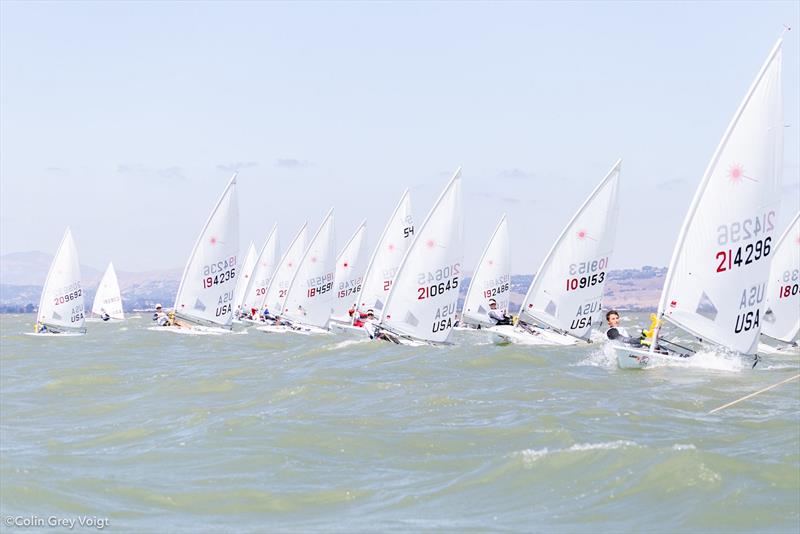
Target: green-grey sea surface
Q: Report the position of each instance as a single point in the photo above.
(256, 432)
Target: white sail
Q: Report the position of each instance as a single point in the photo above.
(491, 280)
(108, 298)
(423, 300)
(716, 282)
(61, 305)
(567, 292)
(256, 293)
(279, 285)
(244, 276)
(350, 266)
(206, 292)
(388, 253)
(311, 292)
(782, 315)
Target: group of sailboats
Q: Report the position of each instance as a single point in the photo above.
(61, 306)
(718, 287)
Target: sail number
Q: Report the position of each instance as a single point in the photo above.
(439, 274)
(68, 297)
(436, 289)
(587, 267)
(219, 278)
(791, 275)
(319, 290)
(220, 266)
(349, 291)
(743, 255)
(447, 278)
(788, 291)
(744, 230)
(585, 281)
(493, 292)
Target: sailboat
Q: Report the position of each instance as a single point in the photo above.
(385, 259)
(564, 302)
(781, 324)
(205, 299)
(423, 300)
(350, 267)
(256, 292)
(61, 309)
(491, 280)
(278, 286)
(107, 303)
(307, 307)
(243, 279)
(715, 288)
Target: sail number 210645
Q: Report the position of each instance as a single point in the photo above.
(438, 282)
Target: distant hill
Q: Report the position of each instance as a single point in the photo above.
(30, 268)
(22, 275)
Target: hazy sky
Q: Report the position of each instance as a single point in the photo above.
(124, 120)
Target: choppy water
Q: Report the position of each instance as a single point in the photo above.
(254, 432)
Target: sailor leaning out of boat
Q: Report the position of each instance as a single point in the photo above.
(617, 333)
(160, 318)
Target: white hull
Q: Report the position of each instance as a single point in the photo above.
(641, 358)
(347, 328)
(55, 334)
(99, 320)
(789, 350)
(192, 330)
(505, 334)
(301, 329)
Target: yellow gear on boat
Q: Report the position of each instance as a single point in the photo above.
(171, 317)
(514, 319)
(654, 323)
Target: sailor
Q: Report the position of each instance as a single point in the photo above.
(160, 318)
(499, 317)
(618, 333)
(103, 315)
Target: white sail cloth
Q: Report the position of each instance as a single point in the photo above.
(491, 279)
(206, 292)
(61, 305)
(782, 315)
(567, 292)
(716, 281)
(423, 300)
(108, 298)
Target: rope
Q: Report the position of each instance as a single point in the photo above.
(795, 377)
